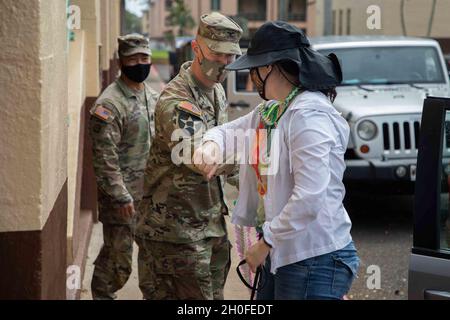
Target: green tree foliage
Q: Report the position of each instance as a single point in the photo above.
(133, 24)
(180, 16)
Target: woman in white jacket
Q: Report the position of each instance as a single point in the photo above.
(291, 181)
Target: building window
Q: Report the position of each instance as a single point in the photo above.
(215, 5)
(167, 21)
(292, 10)
(253, 10)
(244, 82)
(341, 23)
(168, 4)
(349, 19)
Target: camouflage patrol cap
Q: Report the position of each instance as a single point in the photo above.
(133, 44)
(220, 33)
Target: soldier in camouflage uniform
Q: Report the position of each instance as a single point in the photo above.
(121, 127)
(184, 252)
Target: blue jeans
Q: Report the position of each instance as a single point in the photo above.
(326, 277)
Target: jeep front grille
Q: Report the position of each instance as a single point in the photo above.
(401, 137)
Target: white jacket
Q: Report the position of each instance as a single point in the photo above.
(305, 216)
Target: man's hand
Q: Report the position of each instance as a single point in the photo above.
(257, 254)
(207, 159)
(127, 210)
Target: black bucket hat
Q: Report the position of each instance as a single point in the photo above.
(275, 41)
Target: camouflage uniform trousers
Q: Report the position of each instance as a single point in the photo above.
(192, 271)
(113, 265)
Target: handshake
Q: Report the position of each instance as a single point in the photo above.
(207, 159)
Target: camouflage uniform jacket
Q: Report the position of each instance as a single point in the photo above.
(179, 205)
(121, 129)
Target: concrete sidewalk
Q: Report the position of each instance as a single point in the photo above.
(234, 289)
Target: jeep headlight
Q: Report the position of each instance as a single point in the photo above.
(367, 130)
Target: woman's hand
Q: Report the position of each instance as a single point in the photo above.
(257, 254)
(207, 159)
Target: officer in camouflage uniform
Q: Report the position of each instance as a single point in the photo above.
(184, 252)
(121, 127)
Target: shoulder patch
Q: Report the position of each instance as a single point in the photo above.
(190, 108)
(102, 113)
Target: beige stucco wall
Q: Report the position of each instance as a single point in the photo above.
(315, 19)
(359, 16)
(90, 23)
(105, 24)
(157, 19)
(113, 30)
(33, 125)
(20, 171)
(416, 13)
(54, 125)
(77, 94)
(78, 78)
(228, 7)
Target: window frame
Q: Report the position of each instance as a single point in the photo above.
(216, 5)
(427, 197)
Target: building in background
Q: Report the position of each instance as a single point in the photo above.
(398, 17)
(49, 78)
(256, 12)
(319, 17)
(146, 22)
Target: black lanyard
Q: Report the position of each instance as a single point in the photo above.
(259, 281)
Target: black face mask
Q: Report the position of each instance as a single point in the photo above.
(259, 83)
(137, 73)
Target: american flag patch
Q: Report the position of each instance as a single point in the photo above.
(190, 108)
(102, 113)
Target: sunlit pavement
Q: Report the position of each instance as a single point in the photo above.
(234, 289)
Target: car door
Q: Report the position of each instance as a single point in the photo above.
(429, 269)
